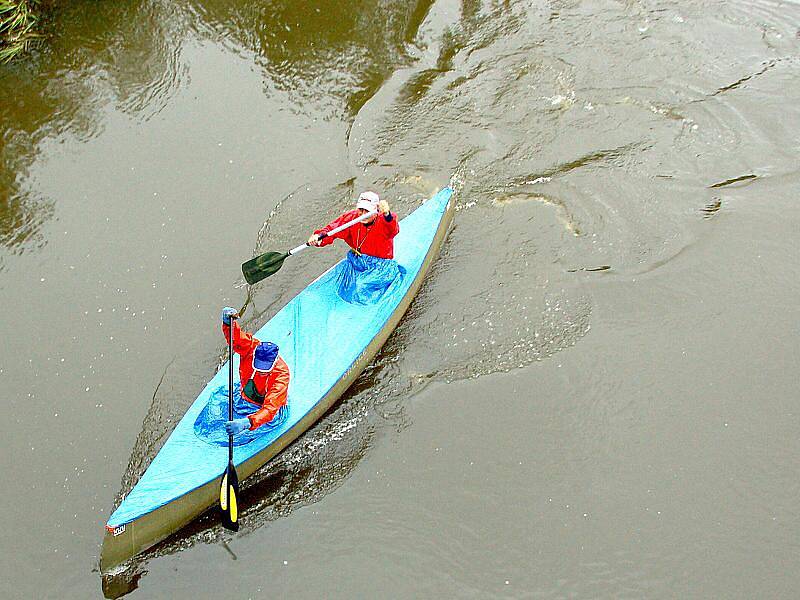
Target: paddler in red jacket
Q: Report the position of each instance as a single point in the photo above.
(374, 237)
(263, 373)
(370, 269)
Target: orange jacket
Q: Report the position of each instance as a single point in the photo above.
(273, 385)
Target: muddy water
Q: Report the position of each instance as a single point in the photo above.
(594, 394)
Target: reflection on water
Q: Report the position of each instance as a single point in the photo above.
(22, 212)
(21, 217)
(122, 53)
(128, 55)
(335, 54)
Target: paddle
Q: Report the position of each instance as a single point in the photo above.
(264, 265)
(229, 487)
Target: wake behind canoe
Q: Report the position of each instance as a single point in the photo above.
(183, 479)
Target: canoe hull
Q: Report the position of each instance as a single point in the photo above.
(137, 536)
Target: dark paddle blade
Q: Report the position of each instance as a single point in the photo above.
(256, 269)
(229, 498)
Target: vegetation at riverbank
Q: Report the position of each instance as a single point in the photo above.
(19, 20)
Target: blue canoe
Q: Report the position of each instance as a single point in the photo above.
(183, 480)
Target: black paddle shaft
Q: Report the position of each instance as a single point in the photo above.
(229, 486)
(230, 388)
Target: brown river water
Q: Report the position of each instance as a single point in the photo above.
(594, 395)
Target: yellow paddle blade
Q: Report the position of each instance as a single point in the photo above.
(234, 512)
(228, 498)
(223, 496)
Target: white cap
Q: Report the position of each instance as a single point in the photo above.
(368, 201)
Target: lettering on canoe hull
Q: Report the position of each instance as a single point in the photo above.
(118, 530)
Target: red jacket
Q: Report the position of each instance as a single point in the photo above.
(375, 240)
(273, 385)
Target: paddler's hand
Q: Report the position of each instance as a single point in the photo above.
(237, 426)
(228, 313)
(383, 206)
(314, 240)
